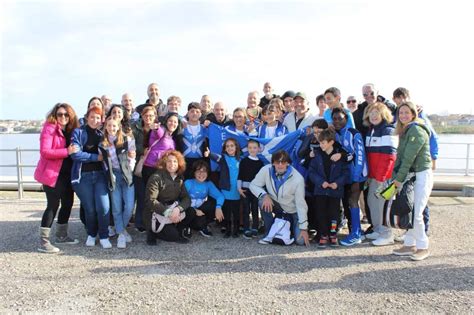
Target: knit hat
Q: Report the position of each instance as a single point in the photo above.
(289, 93)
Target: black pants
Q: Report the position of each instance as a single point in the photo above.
(147, 171)
(250, 206)
(61, 194)
(312, 216)
(173, 232)
(231, 210)
(327, 212)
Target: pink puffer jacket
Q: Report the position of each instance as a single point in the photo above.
(52, 153)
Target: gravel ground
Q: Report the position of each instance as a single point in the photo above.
(234, 275)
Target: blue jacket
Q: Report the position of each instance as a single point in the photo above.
(192, 146)
(224, 175)
(350, 119)
(317, 175)
(433, 135)
(351, 141)
(199, 192)
(79, 138)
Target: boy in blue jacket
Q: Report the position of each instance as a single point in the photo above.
(329, 177)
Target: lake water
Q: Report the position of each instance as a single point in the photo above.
(452, 156)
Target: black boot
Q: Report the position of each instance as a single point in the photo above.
(151, 238)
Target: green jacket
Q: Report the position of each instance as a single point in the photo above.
(413, 153)
(162, 191)
(139, 136)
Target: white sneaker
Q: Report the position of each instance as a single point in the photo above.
(90, 241)
(264, 241)
(382, 241)
(122, 241)
(400, 239)
(128, 237)
(105, 243)
(111, 231)
(372, 236)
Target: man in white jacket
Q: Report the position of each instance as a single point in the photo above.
(280, 188)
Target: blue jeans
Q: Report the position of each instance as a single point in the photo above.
(122, 202)
(140, 199)
(268, 218)
(93, 192)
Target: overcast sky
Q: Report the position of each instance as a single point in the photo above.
(65, 51)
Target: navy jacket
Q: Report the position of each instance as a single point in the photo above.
(338, 174)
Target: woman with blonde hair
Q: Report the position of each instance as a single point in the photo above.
(413, 155)
(54, 172)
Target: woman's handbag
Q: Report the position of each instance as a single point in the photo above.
(139, 167)
(159, 221)
(399, 210)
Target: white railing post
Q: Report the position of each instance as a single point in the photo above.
(467, 159)
(19, 172)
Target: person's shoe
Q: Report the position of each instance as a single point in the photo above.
(139, 229)
(105, 243)
(151, 238)
(420, 254)
(263, 242)
(122, 241)
(227, 234)
(350, 240)
(112, 231)
(254, 232)
(383, 241)
(248, 234)
(323, 242)
(400, 238)
(372, 236)
(205, 232)
(223, 230)
(354, 237)
(128, 237)
(333, 241)
(45, 244)
(90, 241)
(186, 233)
(62, 237)
(235, 234)
(404, 251)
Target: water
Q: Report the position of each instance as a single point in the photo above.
(448, 154)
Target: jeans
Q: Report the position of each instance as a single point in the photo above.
(268, 219)
(417, 235)
(140, 199)
(93, 192)
(122, 202)
(63, 194)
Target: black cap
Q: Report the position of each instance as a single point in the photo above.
(289, 93)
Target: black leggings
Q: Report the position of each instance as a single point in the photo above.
(63, 194)
(173, 232)
(327, 212)
(209, 209)
(231, 210)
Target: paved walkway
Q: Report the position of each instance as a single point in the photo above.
(236, 275)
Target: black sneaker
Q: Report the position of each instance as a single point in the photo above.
(187, 233)
(248, 234)
(151, 239)
(235, 234)
(227, 234)
(205, 232)
(223, 230)
(140, 229)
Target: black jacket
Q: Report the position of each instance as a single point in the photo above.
(358, 115)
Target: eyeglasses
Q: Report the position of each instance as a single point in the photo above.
(281, 162)
(66, 115)
(149, 116)
(371, 94)
(351, 101)
(201, 171)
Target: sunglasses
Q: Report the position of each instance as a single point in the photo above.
(351, 101)
(66, 115)
(281, 162)
(371, 94)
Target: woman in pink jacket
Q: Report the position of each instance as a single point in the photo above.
(54, 172)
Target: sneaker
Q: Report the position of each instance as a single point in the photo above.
(263, 242)
(235, 234)
(128, 237)
(420, 254)
(90, 241)
(151, 239)
(372, 236)
(186, 233)
(205, 232)
(383, 241)
(121, 241)
(105, 243)
(323, 242)
(66, 240)
(333, 241)
(140, 229)
(404, 251)
(350, 241)
(400, 238)
(223, 230)
(254, 232)
(248, 234)
(227, 234)
(112, 231)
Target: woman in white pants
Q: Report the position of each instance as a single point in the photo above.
(413, 155)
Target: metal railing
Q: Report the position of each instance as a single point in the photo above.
(19, 166)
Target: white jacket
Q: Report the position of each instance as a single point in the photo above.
(290, 196)
(290, 121)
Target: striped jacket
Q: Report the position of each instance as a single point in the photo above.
(381, 147)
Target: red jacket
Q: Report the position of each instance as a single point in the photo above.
(52, 153)
(381, 147)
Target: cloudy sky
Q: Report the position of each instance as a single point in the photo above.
(68, 51)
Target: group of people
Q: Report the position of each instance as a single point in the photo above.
(150, 164)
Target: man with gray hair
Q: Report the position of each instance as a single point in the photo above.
(127, 103)
(371, 96)
(154, 99)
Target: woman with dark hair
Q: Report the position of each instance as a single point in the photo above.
(161, 140)
(95, 101)
(54, 172)
(89, 180)
(413, 155)
(166, 195)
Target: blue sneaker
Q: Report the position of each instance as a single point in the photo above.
(350, 240)
(354, 237)
(248, 234)
(254, 232)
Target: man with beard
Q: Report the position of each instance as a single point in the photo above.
(153, 99)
